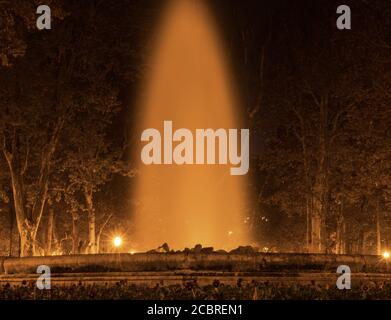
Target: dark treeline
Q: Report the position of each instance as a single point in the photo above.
(319, 110)
(61, 100)
(316, 98)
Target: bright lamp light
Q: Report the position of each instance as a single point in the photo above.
(117, 242)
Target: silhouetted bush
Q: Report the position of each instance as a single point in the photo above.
(190, 290)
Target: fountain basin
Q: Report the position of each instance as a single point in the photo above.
(196, 262)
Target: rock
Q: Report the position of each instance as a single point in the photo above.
(207, 250)
(197, 248)
(243, 250)
(164, 248)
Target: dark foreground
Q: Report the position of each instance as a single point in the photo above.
(196, 276)
(192, 291)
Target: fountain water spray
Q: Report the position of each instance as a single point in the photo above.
(189, 84)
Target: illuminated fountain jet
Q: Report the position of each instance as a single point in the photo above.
(189, 84)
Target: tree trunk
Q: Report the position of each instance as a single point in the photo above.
(360, 243)
(340, 239)
(75, 233)
(308, 225)
(56, 242)
(49, 232)
(27, 220)
(27, 247)
(101, 229)
(302, 137)
(319, 213)
(12, 220)
(98, 242)
(24, 223)
(92, 246)
(316, 233)
(378, 230)
(340, 242)
(321, 191)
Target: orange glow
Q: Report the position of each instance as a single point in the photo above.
(189, 83)
(117, 242)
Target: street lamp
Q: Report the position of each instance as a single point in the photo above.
(117, 241)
